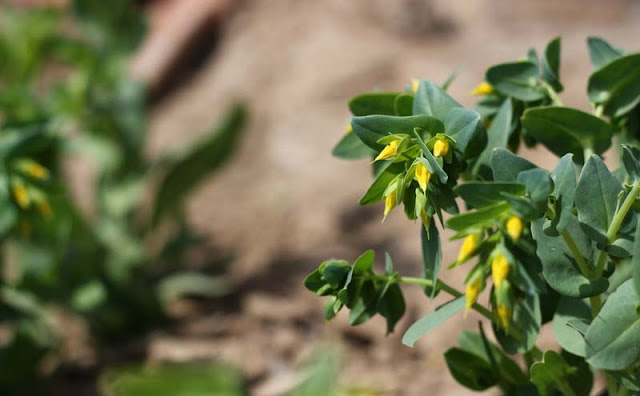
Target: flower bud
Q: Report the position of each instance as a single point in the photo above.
(469, 246)
(484, 88)
(422, 176)
(504, 304)
(33, 169)
(415, 84)
(21, 195)
(440, 148)
(388, 151)
(475, 284)
(499, 269)
(514, 227)
(390, 199)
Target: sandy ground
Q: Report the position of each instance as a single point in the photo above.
(284, 204)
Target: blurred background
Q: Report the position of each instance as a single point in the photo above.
(277, 206)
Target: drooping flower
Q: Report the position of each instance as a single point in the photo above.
(499, 269)
(504, 314)
(33, 169)
(390, 150)
(515, 227)
(415, 84)
(440, 148)
(21, 195)
(469, 246)
(484, 88)
(422, 176)
(474, 286)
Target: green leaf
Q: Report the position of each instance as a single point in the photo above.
(519, 80)
(631, 161)
(565, 130)
(391, 305)
(173, 379)
(404, 105)
(568, 310)
(616, 85)
(465, 127)
(374, 103)
(364, 263)
(558, 266)
(525, 326)
(506, 166)
(538, 185)
(478, 194)
(431, 257)
(351, 147)
(199, 162)
(364, 303)
(376, 191)
(192, 284)
(432, 320)
(497, 137)
(430, 161)
(596, 198)
(479, 217)
(551, 373)
(565, 183)
(432, 100)
(635, 259)
(551, 64)
(613, 339)
(470, 370)
(601, 52)
(374, 127)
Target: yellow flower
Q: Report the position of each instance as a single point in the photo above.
(469, 245)
(504, 315)
(349, 128)
(35, 170)
(440, 148)
(484, 88)
(415, 84)
(389, 151)
(21, 195)
(426, 220)
(390, 202)
(422, 176)
(499, 269)
(514, 227)
(472, 290)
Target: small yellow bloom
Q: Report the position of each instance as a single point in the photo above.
(389, 151)
(440, 148)
(426, 220)
(504, 315)
(422, 176)
(469, 245)
(21, 195)
(514, 227)
(349, 128)
(415, 84)
(36, 170)
(472, 291)
(499, 269)
(484, 88)
(390, 202)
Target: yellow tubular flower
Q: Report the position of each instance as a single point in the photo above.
(484, 88)
(440, 148)
(473, 289)
(389, 151)
(36, 170)
(422, 176)
(469, 245)
(349, 128)
(415, 84)
(504, 315)
(514, 227)
(390, 202)
(499, 269)
(21, 195)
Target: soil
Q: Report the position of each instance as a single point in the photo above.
(284, 204)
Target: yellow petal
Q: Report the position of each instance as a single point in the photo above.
(349, 128)
(504, 315)
(415, 84)
(499, 269)
(484, 88)
(422, 176)
(471, 292)
(390, 202)
(469, 245)
(514, 227)
(21, 195)
(36, 170)
(440, 148)
(388, 151)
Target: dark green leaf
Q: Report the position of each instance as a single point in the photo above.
(617, 85)
(431, 161)
(551, 64)
(506, 166)
(376, 191)
(466, 128)
(391, 306)
(470, 370)
(601, 52)
(631, 161)
(538, 185)
(635, 260)
(371, 128)
(497, 137)
(431, 257)
(571, 309)
(478, 194)
(404, 105)
(519, 80)
(479, 217)
(565, 183)
(374, 103)
(525, 326)
(550, 372)
(432, 100)
(351, 147)
(613, 339)
(565, 130)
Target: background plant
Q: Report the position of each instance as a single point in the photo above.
(64, 93)
(558, 247)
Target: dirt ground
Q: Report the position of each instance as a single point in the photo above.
(284, 204)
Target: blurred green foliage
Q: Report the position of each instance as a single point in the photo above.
(65, 94)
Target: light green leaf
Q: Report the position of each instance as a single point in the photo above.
(432, 320)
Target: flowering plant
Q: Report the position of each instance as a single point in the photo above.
(560, 248)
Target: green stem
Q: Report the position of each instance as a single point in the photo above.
(553, 94)
(565, 388)
(571, 244)
(410, 280)
(596, 304)
(612, 386)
